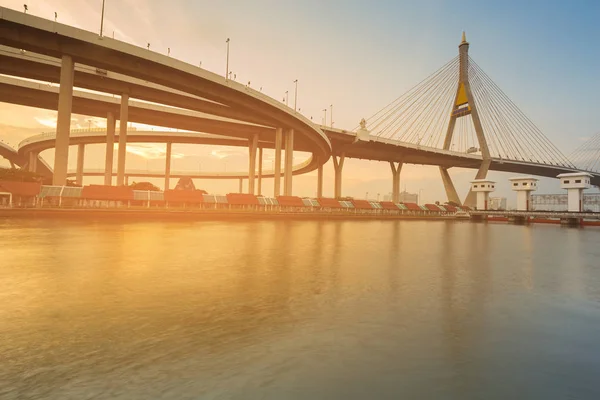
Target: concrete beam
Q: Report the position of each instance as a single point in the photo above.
(396, 169)
(122, 155)
(277, 172)
(338, 166)
(451, 193)
(110, 147)
(80, 160)
(320, 181)
(253, 145)
(32, 164)
(260, 167)
(471, 200)
(289, 160)
(63, 122)
(168, 166)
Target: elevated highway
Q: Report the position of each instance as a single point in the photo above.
(174, 94)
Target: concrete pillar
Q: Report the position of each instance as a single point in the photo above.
(451, 193)
(124, 115)
(241, 189)
(524, 186)
(32, 165)
(482, 189)
(289, 162)
(277, 172)
(253, 145)
(168, 166)
(80, 159)
(63, 123)
(575, 183)
(481, 174)
(396, 169)
(338, 166)
(320, 181)
(110, 147)
(260, 166)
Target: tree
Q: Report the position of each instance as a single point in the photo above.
(20, 175)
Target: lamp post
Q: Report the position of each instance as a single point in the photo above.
(227, 64)
(295, 94)
(419, 198)
(286, 97)
(102, 19)
(55, 16)
(331, 115)
(325, 117)
(25, 8)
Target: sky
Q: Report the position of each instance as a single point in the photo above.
(357, 56)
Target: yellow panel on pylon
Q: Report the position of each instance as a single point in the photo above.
(462, 96)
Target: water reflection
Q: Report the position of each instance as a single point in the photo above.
(296, 310)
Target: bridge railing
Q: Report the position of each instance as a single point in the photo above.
(74, 132)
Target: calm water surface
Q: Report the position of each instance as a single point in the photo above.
(298, 310)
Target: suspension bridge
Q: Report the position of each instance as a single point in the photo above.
(455, 118)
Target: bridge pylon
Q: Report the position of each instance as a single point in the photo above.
(464, 104)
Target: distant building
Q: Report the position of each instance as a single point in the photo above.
(406, 197)
(559, 202)
(497, 203)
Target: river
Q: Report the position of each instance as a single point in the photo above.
(298, 310)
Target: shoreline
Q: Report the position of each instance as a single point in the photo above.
(161, 214)
(202, 214)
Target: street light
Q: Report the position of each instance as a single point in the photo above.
(286, 97)
(55, 16)
(331, 115)
(227, 65)
(25, 8)
(325, 118)
(102, 20)
(295, 94)
(419, 199)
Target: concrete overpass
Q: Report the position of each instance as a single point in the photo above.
(191, 99)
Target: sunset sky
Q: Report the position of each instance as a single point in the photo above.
(356, 55)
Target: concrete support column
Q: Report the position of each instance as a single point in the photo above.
(241, 189)
(80, 159)
(289, 162)
(470, 200)
(253, 145)
(449, 186)
(277, 172)
(63, 122)
(396, 169)
(168, 166)
(110, 147)
(260, 166)
(338, 166)
(32, 164)
(124, 115)
(320, 181)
